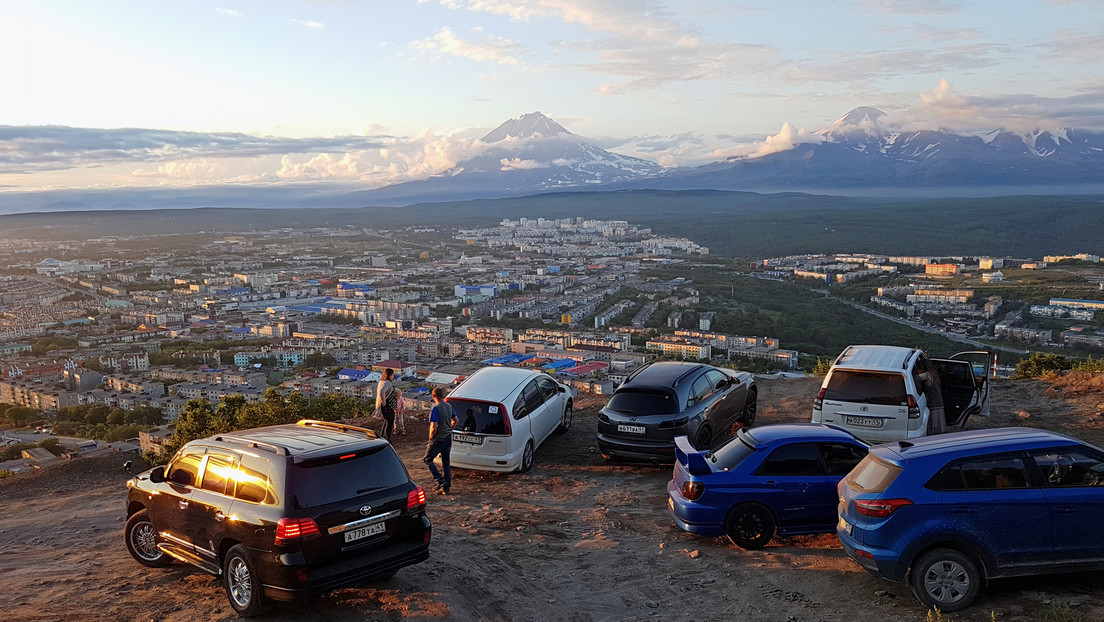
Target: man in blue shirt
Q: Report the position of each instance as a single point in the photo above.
(441, 421)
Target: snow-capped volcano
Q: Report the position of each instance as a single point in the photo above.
(527, 155)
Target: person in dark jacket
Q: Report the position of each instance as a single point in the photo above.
(441, 421)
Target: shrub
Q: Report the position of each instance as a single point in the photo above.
(1039, 364)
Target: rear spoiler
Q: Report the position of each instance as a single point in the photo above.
(690, 458)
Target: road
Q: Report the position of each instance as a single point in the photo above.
(935, 331)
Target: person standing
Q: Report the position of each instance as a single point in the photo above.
(400, 405)
(441, 421)
(386, 400)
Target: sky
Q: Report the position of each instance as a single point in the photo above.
(159, 93)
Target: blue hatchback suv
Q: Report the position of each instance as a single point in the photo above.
(945, 513)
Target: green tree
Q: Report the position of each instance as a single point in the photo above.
(1040, 363)
(97, 414)
(117, 416)
(21, 415)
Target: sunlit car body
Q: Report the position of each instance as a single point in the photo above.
(947, 512)
(663, 400)
(780, 476)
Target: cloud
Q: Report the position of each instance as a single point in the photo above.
(913, 7)
(308, 24)
(517, 164)
(230, 12)
(786, 139)
(491, 49)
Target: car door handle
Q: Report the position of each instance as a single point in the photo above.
(961, 509)
(1065, 509)
(183, 505)
(219, 516)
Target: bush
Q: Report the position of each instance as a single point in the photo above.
(1039, 364)
(6, 474)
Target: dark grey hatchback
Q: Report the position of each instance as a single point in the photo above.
(663, 400)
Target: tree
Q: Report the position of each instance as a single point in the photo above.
(21, 415)
(97, 414)
(116, 417)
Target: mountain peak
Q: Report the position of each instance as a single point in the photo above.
(532, 125)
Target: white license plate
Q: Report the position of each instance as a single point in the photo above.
(864, 422)
(467, 440)
(364, 532)
(635, 429)
(846, 526)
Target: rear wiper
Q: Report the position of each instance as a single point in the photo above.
(364, 490)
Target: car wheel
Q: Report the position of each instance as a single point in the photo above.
(526, 458)
(748, 416)
(704, 438)
(946, 579)
(243, 586)
(141, 541)
(750, 526)
(565, 424)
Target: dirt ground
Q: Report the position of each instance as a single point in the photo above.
(575, 539)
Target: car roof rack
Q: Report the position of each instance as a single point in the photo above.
(333, 425)
(279, 450)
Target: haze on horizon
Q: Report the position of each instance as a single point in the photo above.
(157, 94)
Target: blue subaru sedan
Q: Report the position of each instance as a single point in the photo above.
(775, 477)
(946, 513)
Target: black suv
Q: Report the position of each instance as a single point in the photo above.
(663, 400)
(282, 512)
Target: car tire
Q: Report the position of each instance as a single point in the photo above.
(946, 579)
(565, 423)
(703, 439)
(243, 585)
(526, 457)
(749, 526)
(141, 541)
(747, 418)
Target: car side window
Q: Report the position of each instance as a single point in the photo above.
(700, 390)
(217, 472)
(795, 459)
(547, 388)
(987, 473)
(532, 395)
(520, 409)
(1069, 467)
(252, 480)
(841, 457)
(717, 379)
(184, 469)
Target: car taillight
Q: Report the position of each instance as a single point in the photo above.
(415, 499)
(692, 490)
(879, 508)
(818, 403)
(289, 528)
(506, 421)
(914, 408)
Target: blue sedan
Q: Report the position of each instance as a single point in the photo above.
(772, 477)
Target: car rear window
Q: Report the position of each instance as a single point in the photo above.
(865, 387)
(872, 475)
(337, 478)
(636, 402)
(733, 452)
(480, 417)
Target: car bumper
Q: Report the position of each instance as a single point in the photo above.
(637, 449)
(690, 516)
(882, 563)
(283, 578)
(503, 464)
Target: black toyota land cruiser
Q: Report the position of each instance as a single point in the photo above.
(282, 512)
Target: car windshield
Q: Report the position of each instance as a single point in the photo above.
(334, 479)
(481, 417)
(636, 402)
(866, 387)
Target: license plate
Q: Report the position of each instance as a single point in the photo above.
(364, 532)
(467, 440)
(846, 526)
(635, 429)
(864, 422)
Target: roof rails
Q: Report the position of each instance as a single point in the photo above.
(279, 450)
(638, 370)
(341, 427)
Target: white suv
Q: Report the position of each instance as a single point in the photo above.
(504, 414)
(876, 392)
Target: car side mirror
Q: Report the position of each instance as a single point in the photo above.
(127, 465)
(157, 475)
(562, 389)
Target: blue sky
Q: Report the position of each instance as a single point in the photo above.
(124, 93)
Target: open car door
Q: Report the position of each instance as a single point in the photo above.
(965, 385)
